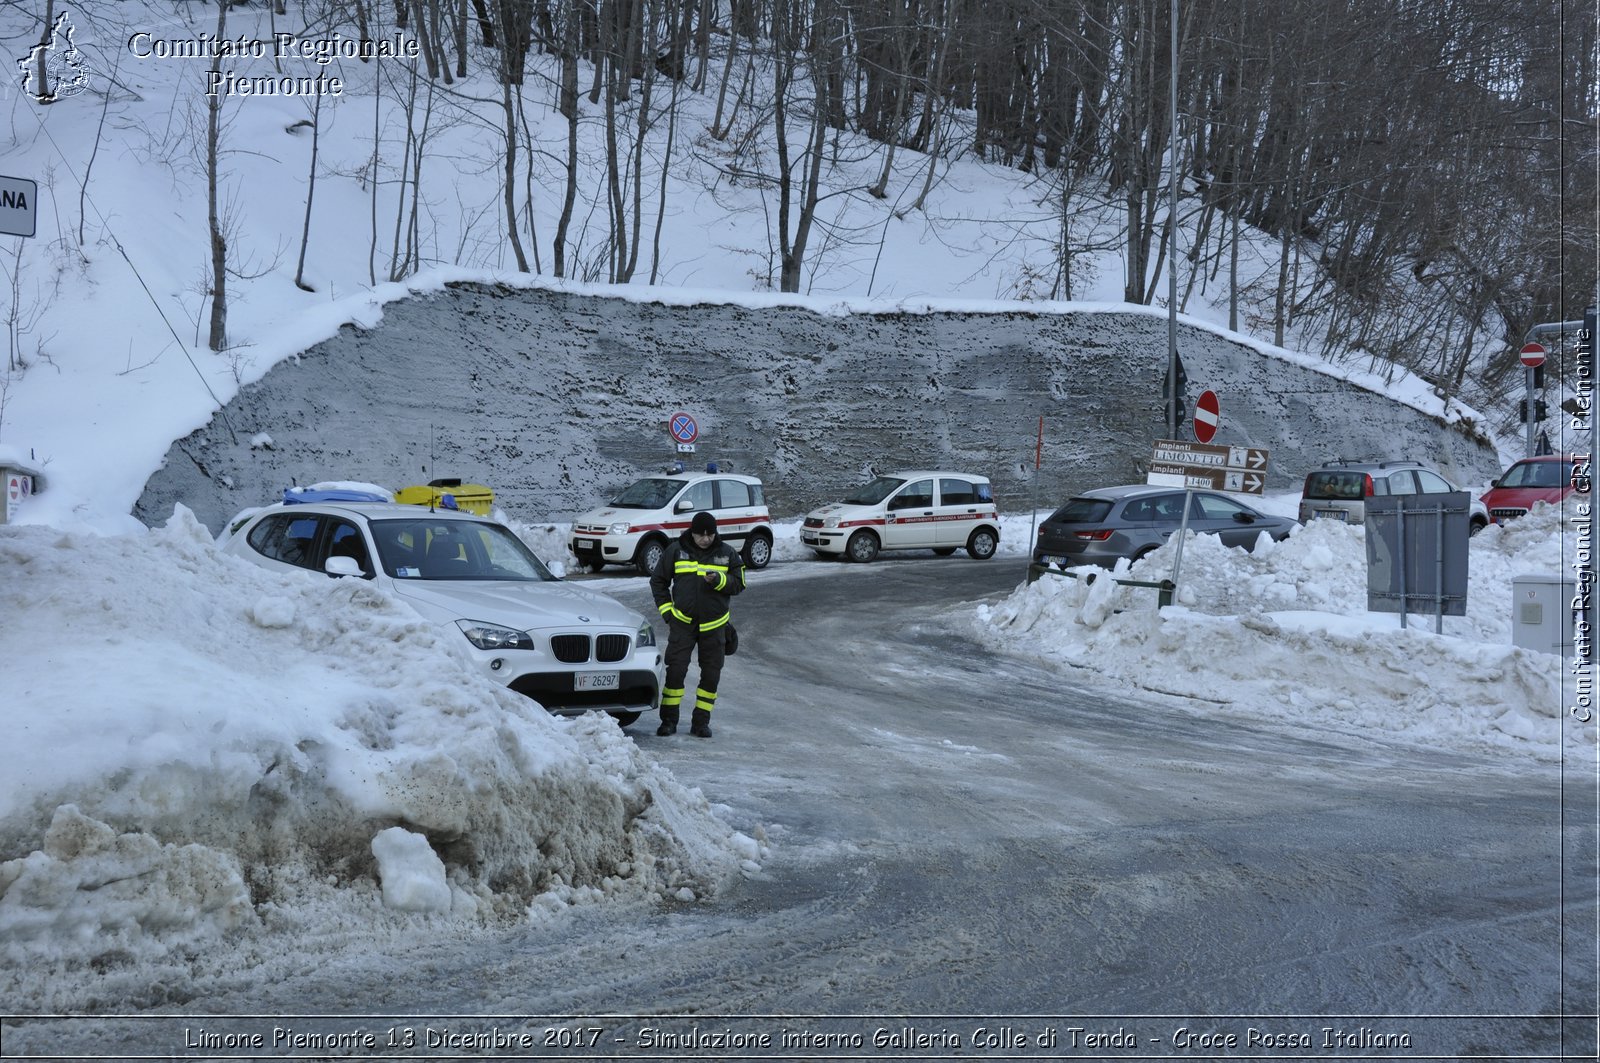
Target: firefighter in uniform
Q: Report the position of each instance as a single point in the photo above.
(691, 586)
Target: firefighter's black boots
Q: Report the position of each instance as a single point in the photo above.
(669, 721)
(700, 724)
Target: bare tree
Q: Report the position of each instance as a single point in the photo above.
(218, 336)
(567, 105)
(311, 191)
(805, 49)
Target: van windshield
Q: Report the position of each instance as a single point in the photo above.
(651, 493)
(874, 492)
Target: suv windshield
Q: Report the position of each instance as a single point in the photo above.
(1347, 486)
(874, 492)
(653, 493)
(455, 550)
(1534, 474)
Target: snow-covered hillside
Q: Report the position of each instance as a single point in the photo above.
(109, 305)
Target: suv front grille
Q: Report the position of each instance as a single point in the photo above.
(813, 522)
(570, 649)
(575, 649)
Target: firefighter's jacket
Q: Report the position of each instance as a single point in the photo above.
(679, 584)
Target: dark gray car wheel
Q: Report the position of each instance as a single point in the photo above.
(649, 555)
(757, 551)
(863, 547)
(982, 544)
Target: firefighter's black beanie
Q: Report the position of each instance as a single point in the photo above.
(703, 522)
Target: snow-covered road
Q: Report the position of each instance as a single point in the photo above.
(959, 834)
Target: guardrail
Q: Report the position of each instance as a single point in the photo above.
(1164, 588)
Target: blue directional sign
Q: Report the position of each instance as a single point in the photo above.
(683, 428)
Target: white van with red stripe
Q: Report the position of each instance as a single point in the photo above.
(635, 527)
(918, 510)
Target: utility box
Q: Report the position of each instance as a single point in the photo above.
(1541, 612)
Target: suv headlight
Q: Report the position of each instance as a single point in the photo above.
(830, 522)
(620, 528)
(493, 637)
(646, 636)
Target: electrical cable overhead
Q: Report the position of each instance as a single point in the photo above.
(106, 228)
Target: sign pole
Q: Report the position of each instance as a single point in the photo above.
(1527, 407)
(1405, 554)
(1033, 501)
(1183, 532)
(1531, 356)
(1172, 230)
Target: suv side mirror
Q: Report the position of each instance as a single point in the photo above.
(1244, 518)
(683, 506)
(340, 565)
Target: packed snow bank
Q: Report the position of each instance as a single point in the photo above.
(1284, 633)
(196, 744)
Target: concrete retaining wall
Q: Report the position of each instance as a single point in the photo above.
(556, 400)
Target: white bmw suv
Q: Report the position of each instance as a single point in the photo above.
(918, 510)
(568, 648)
(635, 527)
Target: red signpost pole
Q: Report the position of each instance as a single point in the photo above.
(1532, 357)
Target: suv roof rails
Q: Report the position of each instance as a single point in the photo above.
(294, 495)
(1394, 463)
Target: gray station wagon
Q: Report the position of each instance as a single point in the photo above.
(1100, 526)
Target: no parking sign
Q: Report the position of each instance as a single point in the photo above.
(684, 431)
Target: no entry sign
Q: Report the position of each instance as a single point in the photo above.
(1207, 415)
(1532, 355)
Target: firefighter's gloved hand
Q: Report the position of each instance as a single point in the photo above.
(711, 578)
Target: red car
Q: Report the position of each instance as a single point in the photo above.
(1547, 478)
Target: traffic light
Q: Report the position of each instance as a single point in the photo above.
(1540, 410)
(1181, 398)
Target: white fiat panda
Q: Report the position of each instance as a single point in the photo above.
(920, 510)
(635, 527)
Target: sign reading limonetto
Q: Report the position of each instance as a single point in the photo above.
(1208, 466)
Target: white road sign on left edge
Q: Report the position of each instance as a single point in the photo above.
(18, 206)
